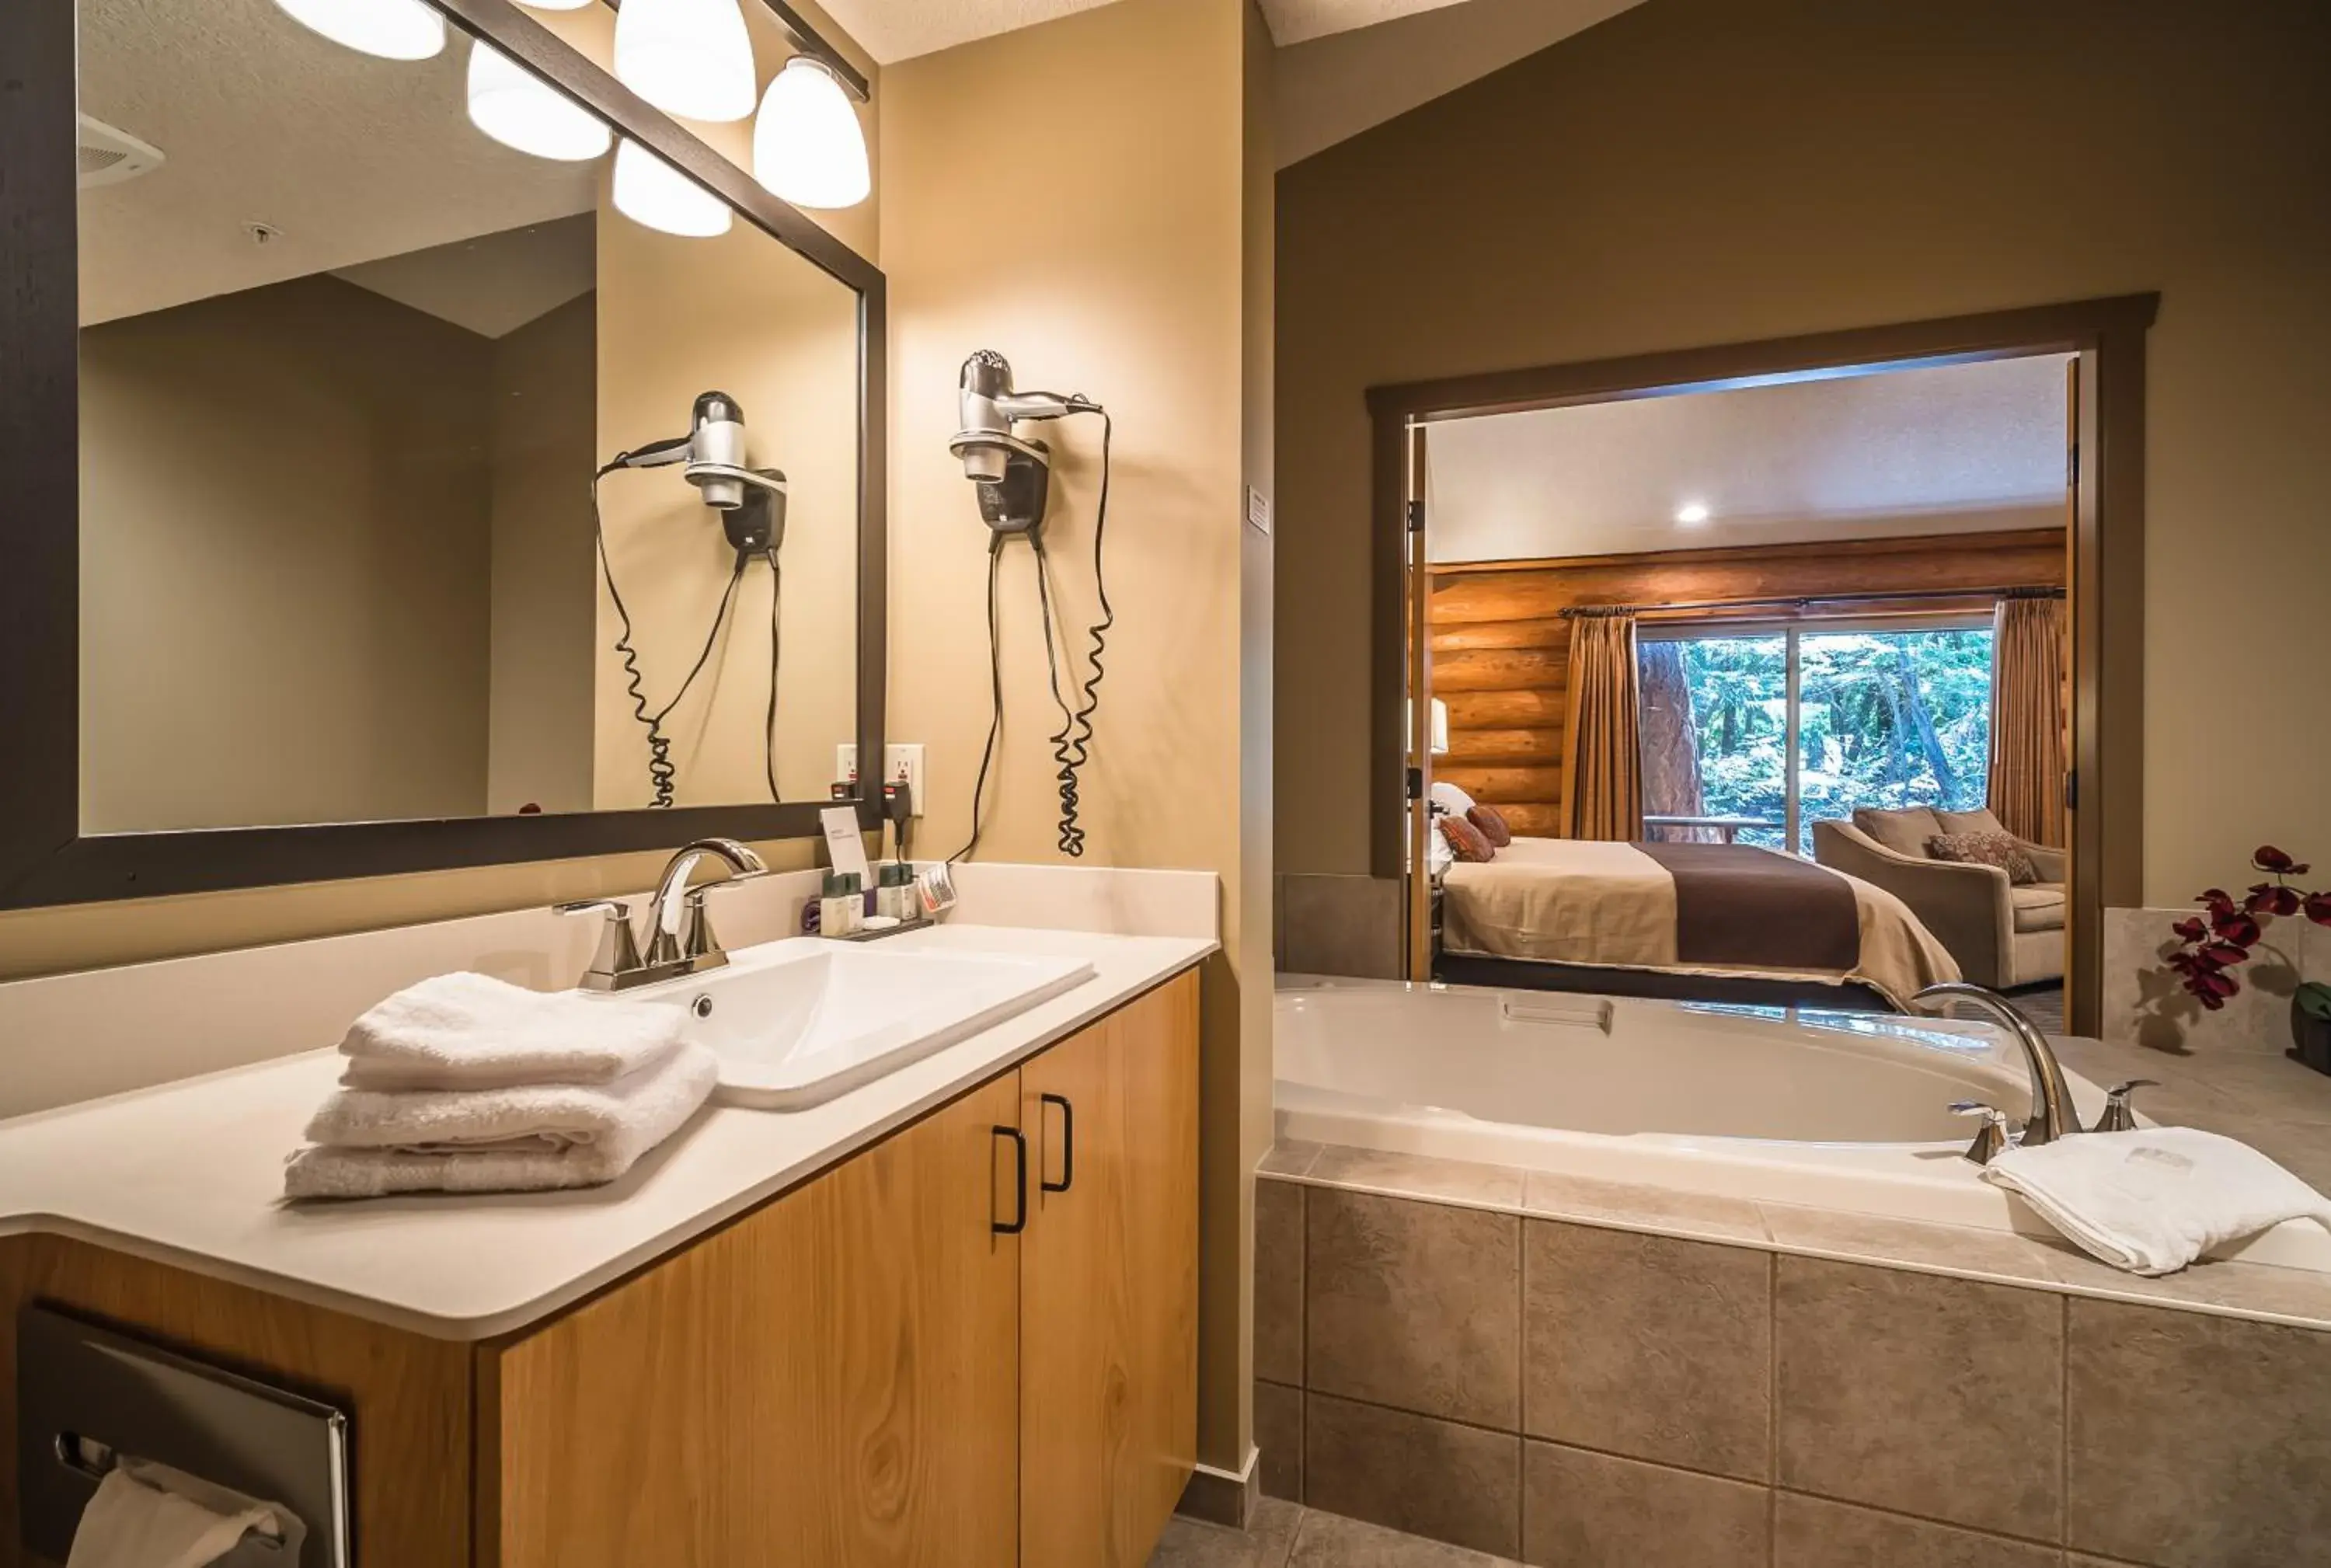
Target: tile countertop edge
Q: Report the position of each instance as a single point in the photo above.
(1141, 963)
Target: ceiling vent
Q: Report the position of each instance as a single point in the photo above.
(108, 156)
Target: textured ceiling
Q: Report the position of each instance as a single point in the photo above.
(1906, 452)
(351, 159)
(895, 30)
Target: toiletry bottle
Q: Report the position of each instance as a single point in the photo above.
(853, 904)
(838, 909)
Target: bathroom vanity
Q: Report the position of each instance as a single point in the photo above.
(950, 1317)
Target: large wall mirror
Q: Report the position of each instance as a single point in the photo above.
(340, 567)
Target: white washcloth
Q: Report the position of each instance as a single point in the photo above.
(525, 1139)
(2153, 1199)
(130, 1524)
(470, 1031)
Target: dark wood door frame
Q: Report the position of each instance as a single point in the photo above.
(2107, 589)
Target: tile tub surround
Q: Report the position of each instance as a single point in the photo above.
(1833, 1390)
(2144, 1006)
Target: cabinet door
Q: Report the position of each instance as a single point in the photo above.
(1109, 1285)
(831, 1381)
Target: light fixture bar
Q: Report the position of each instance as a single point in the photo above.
(813, 43)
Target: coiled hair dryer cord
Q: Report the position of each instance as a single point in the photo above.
(1073, 742)
(662, 775)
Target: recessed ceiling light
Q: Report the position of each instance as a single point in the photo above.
(1692, 513)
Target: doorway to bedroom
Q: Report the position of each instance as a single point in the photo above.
(1674, 626)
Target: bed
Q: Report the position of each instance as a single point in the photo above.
(1710, 922)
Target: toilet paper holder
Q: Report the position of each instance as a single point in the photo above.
(89, 1398)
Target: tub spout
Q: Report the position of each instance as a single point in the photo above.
(2054, 1115)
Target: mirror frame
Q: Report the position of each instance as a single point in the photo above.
(46, 858)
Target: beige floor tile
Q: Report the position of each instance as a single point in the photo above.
(1265, 1543)
(1649, 1345)
(1451, 1483)
(1814, 1533)
(1585, 1510)
(1921, 1394)
(1331, 1541)
(1279, 1433)
(1278, 1282)
(1704, 1215)
(1419, 1176)
(2197, 1441)
(1413, 1305)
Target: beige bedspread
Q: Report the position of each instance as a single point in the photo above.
(1580, 901)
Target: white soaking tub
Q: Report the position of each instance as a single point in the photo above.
(1833, 1110)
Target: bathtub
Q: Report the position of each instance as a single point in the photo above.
(1833, 1110)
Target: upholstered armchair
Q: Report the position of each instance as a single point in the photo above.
(2001, 935)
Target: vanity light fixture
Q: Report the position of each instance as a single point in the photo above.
(649, 191)
(555, 5)
(808, 147)
(390, 29)
(690, 58)
(518, 110)
(1691, 514)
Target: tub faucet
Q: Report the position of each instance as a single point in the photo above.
(679, 936)
(2054, 1115)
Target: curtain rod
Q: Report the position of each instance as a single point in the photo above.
(812, 42)
(1806, 600)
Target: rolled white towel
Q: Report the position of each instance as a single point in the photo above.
(534, 1138)
(466, 1031)
(2153, 1199)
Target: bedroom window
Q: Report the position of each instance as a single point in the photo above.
(1750, 734)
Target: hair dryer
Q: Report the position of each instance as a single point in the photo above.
(751, 501)
(1013, 475)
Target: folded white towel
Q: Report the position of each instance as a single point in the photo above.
(2153, 1199)
(467, 1030)
(135, 1523)
(533, 1138)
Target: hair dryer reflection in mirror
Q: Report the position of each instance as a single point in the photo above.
(1013, 478)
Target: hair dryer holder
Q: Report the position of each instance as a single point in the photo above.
(1015, 503)
(758, 525)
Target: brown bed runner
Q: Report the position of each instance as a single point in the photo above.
(1737, 905)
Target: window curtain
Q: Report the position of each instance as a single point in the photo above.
(2027, 720)
(1601, 743)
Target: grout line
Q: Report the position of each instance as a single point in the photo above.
(2064, 1432)
(1773, 1411)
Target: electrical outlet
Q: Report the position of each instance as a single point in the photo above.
(902, 764)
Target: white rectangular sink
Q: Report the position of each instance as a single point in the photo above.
(799, 1021)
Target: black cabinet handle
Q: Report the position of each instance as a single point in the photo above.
(1019, 1221)
(1068, 1143)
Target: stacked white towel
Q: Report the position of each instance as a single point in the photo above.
(465, 1084)
(2153, 1199)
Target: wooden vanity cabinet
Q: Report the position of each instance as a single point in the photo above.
(913, 1359)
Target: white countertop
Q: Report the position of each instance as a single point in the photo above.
(190, 1174)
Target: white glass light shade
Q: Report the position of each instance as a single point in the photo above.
(649, 191)
(692, 58)
(519, 109)
(390, 29)
(556, 5)
(807, 145)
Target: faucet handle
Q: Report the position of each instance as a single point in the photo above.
(618, 951)
(1991, 1138)
(2118, 1117)
(697, 939)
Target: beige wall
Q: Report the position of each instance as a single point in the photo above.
(743, 315)
(540, 664)
(1707, 171)
(1104, 256)
(283, 565)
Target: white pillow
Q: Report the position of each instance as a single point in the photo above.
(1452, 798)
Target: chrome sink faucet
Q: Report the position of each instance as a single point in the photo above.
(2054, 1115)
(679, 935)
